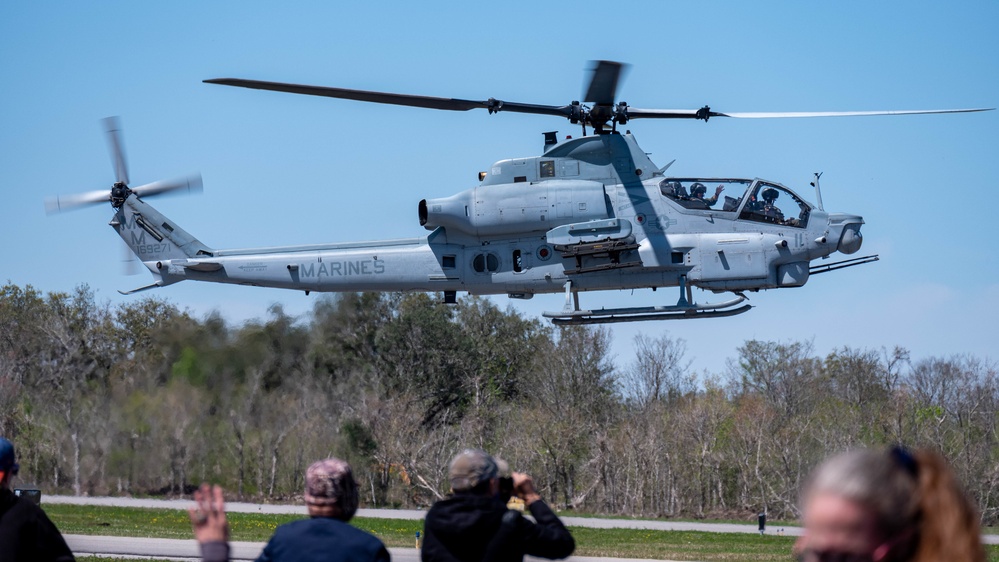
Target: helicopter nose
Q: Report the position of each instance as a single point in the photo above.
(847, 227)
(851, 240)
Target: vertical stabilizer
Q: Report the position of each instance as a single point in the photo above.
(152, 236)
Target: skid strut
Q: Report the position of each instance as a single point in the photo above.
(571, 299)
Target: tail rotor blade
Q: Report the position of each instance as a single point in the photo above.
(129, 261)
(112, 126)
(63, 203)
(189, 184)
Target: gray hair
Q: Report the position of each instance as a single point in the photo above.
(884, 481)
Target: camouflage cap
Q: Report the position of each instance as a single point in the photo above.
(470, 468)
(331, 482)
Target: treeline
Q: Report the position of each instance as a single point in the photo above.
(143, 398)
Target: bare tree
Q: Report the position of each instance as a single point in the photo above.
(659, 371)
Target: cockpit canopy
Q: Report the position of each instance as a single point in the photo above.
(753, 200)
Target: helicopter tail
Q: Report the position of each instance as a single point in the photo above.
(159, 243)
(162, 246)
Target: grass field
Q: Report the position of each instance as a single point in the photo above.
(622, 543)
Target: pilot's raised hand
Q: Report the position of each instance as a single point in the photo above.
(718, 190)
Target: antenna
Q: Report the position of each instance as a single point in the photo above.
(818, 192)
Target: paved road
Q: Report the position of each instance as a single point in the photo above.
(416, 514)
(176, 549)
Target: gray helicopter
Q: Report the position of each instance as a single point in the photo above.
(592, 213)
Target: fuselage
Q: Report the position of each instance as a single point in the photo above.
(593, 211)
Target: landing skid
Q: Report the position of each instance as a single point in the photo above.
(684, 309)
(616, 315)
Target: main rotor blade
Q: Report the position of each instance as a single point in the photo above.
(635, 113)
(603, 84)
(189, 184)
(429, 102)
(785, 114)
(64, 203)
(359, 95)
(112, 126)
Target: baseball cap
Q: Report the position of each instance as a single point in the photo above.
(7, 463)
(470, 468)
(331, 482)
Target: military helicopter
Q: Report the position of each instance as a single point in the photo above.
(592, 213)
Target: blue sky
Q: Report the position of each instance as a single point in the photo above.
(283, 169)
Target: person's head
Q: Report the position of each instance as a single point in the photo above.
(770, 195)
(886, 506)
(698, 190)
(473, 471)
(330, 489)
(8, 464)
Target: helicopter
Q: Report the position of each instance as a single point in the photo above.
(589, 214)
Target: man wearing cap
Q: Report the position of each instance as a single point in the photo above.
(331, 496)
(26, 533)
(474, 525)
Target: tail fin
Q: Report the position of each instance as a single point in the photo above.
(153, 237)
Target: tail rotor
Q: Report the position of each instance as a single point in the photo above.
(120, 191)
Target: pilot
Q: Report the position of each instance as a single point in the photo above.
(698, 190)
(671, 189)
(770, 210)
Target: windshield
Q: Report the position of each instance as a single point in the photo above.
(703, 193)
(755, 200)
(773, 203)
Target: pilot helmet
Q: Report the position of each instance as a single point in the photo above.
(770, 194)
(698, 187)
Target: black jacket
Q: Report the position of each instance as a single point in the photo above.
(469, 528)
(27, 534)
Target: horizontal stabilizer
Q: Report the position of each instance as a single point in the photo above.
(197, 265)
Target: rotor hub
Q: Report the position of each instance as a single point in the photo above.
(119, 193)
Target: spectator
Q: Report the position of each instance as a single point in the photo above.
(888, 506)
(26, 533)
(474, 525)
(505, 480)
(331, 497)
